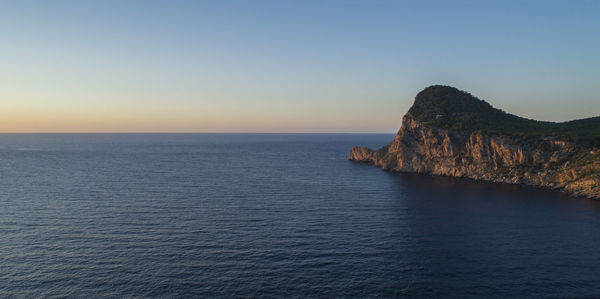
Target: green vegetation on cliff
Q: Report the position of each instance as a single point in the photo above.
(451, 108)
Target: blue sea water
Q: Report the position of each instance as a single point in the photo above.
(273, 215)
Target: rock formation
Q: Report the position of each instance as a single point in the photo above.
(449, 132)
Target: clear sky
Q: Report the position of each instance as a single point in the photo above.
(287, 66)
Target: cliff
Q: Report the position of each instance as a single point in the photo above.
(449, 132)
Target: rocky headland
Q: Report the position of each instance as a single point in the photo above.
(449, 132)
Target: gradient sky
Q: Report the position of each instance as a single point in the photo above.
(287, 66)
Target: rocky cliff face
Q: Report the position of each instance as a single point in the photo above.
(423, 147)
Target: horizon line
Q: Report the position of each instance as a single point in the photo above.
(179, 132)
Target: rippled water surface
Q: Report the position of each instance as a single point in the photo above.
(228, 215)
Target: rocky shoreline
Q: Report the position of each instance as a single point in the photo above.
(420, 147)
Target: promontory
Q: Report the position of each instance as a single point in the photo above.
(449, 132)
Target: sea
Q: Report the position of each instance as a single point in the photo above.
(274, 216)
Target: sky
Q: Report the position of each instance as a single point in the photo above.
(287, 66)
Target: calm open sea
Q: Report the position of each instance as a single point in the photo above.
(273, 215)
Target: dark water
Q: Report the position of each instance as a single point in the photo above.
(273, 216)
